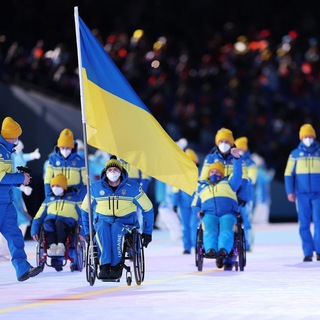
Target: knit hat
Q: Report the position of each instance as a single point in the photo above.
(113, 162)
(59, 180)
(10, 129)
(224, 134)
(66, 139)
(242, 143)
(218, 166)
(192, 155)
(306, 130)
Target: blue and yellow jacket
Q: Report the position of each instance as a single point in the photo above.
(7, 178)
(73, 168)
(119, 203)
(227, 161)
(221, 198)
(66, 207)
(252, 171)
(302, 173)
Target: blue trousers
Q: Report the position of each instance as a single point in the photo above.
(218, 232)
(109, 237)
(10, 230)
(308, 207)
(190, 223)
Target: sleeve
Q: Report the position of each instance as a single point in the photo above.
(38, 219)
(235, 178)
(47, 178)
(289, 175)
(145, 204)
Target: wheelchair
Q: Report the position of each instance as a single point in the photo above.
(133, 252)
(237, 254)
(74, 243)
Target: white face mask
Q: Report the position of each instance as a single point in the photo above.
(113, 176)
(224, 147)
(65, 152)
(57, 191)
(307, 141)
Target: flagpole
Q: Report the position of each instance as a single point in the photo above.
(84, 121)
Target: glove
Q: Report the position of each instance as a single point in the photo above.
(35, 154)
(175, 209)
(146, 239)
(200, 214)
(26, 190)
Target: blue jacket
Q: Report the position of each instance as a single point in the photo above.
(73, 168)
(302, 173)
(119, 203)
(221, 198)
(53, 207)
(7, 178)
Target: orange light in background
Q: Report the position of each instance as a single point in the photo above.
(122, 53)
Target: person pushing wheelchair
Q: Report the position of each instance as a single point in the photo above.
(114, 202)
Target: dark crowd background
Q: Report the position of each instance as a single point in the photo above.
(250, 66)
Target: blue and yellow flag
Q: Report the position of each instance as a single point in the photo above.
(119, 123)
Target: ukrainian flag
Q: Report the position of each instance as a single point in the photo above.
(119, 123)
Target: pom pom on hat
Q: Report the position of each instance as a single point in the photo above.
(59, 180)
(218, 166)
(113, 162)
(224, 134)
(10, 129)
(66, 139)
(242, 143)
(192, 155)
(306, 130)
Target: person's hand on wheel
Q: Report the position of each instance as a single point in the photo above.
(146, 239)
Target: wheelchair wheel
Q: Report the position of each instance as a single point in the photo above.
(81, 253)
(199, 249)
(138, 258)
(91, 265)
(242, 250)
(40, 251)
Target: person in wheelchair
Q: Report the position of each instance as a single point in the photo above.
(114, 201)
(216, 203)
(59, 215)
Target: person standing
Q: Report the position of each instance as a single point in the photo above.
(302, 184)
(66, 160)
(10, 132)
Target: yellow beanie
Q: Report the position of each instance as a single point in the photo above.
(224, 134)
(10, 129)
(218, 166)
(59, 180)
(66, 139)
(242, 143)
(306, 130)
(192, 155)
(113, 162)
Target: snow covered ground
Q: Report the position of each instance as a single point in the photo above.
(276, 284)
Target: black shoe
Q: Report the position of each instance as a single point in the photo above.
(104, 271)
(308, 259)
(219, 262)
(227, 267)
(318, 256)
(223, 253)
(210, 253)
(116, 271)
(32, 272)
(186, 252)
(58, 269)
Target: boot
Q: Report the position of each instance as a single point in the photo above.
(61, 250)
(52, 250)
(104, 271)
(116, 271)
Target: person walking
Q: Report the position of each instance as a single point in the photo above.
(10, 132)
(302, 181)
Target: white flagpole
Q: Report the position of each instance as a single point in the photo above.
(84, 121)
